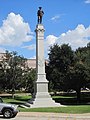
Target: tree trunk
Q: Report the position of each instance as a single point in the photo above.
(78, 91)
(12, 95)
(13, 91)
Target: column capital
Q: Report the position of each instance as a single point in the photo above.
(39, 28)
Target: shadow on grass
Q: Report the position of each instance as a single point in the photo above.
(64, 99)
(71, 99)
(17, 103)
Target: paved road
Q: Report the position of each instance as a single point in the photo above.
(49, 116)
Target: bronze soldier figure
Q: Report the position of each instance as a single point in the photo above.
(40, 14)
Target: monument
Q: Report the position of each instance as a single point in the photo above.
(41, 97)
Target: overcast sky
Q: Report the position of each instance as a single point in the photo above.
(65, 21)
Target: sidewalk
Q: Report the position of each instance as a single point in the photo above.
(55, 115)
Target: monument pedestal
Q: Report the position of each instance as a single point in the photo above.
(41, 96)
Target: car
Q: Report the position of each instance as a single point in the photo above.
(8, 110)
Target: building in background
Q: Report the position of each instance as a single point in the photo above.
(31, 63)
(2, 55)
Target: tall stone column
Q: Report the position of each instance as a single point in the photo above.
(41, 95)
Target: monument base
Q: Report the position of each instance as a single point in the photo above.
(42, 98)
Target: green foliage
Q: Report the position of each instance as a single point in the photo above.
(83, 55)
(61, 57)
(68, 70)
(60, 61)
(15, 64)
(2, 80)
(15, 75)
(12, 66)
(29, 78)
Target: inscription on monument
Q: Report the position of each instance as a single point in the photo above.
(41, 62)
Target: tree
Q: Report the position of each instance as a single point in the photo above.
(13, 66)
(83, 55)
(68, 69)
(76, 79)
(60, 60)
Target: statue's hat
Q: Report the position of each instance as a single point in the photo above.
(40, 7)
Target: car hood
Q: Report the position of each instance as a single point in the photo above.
(9, 105)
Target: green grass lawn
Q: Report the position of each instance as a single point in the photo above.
(72, 108)
(69, 109)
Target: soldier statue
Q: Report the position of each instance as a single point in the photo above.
(40, 14)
